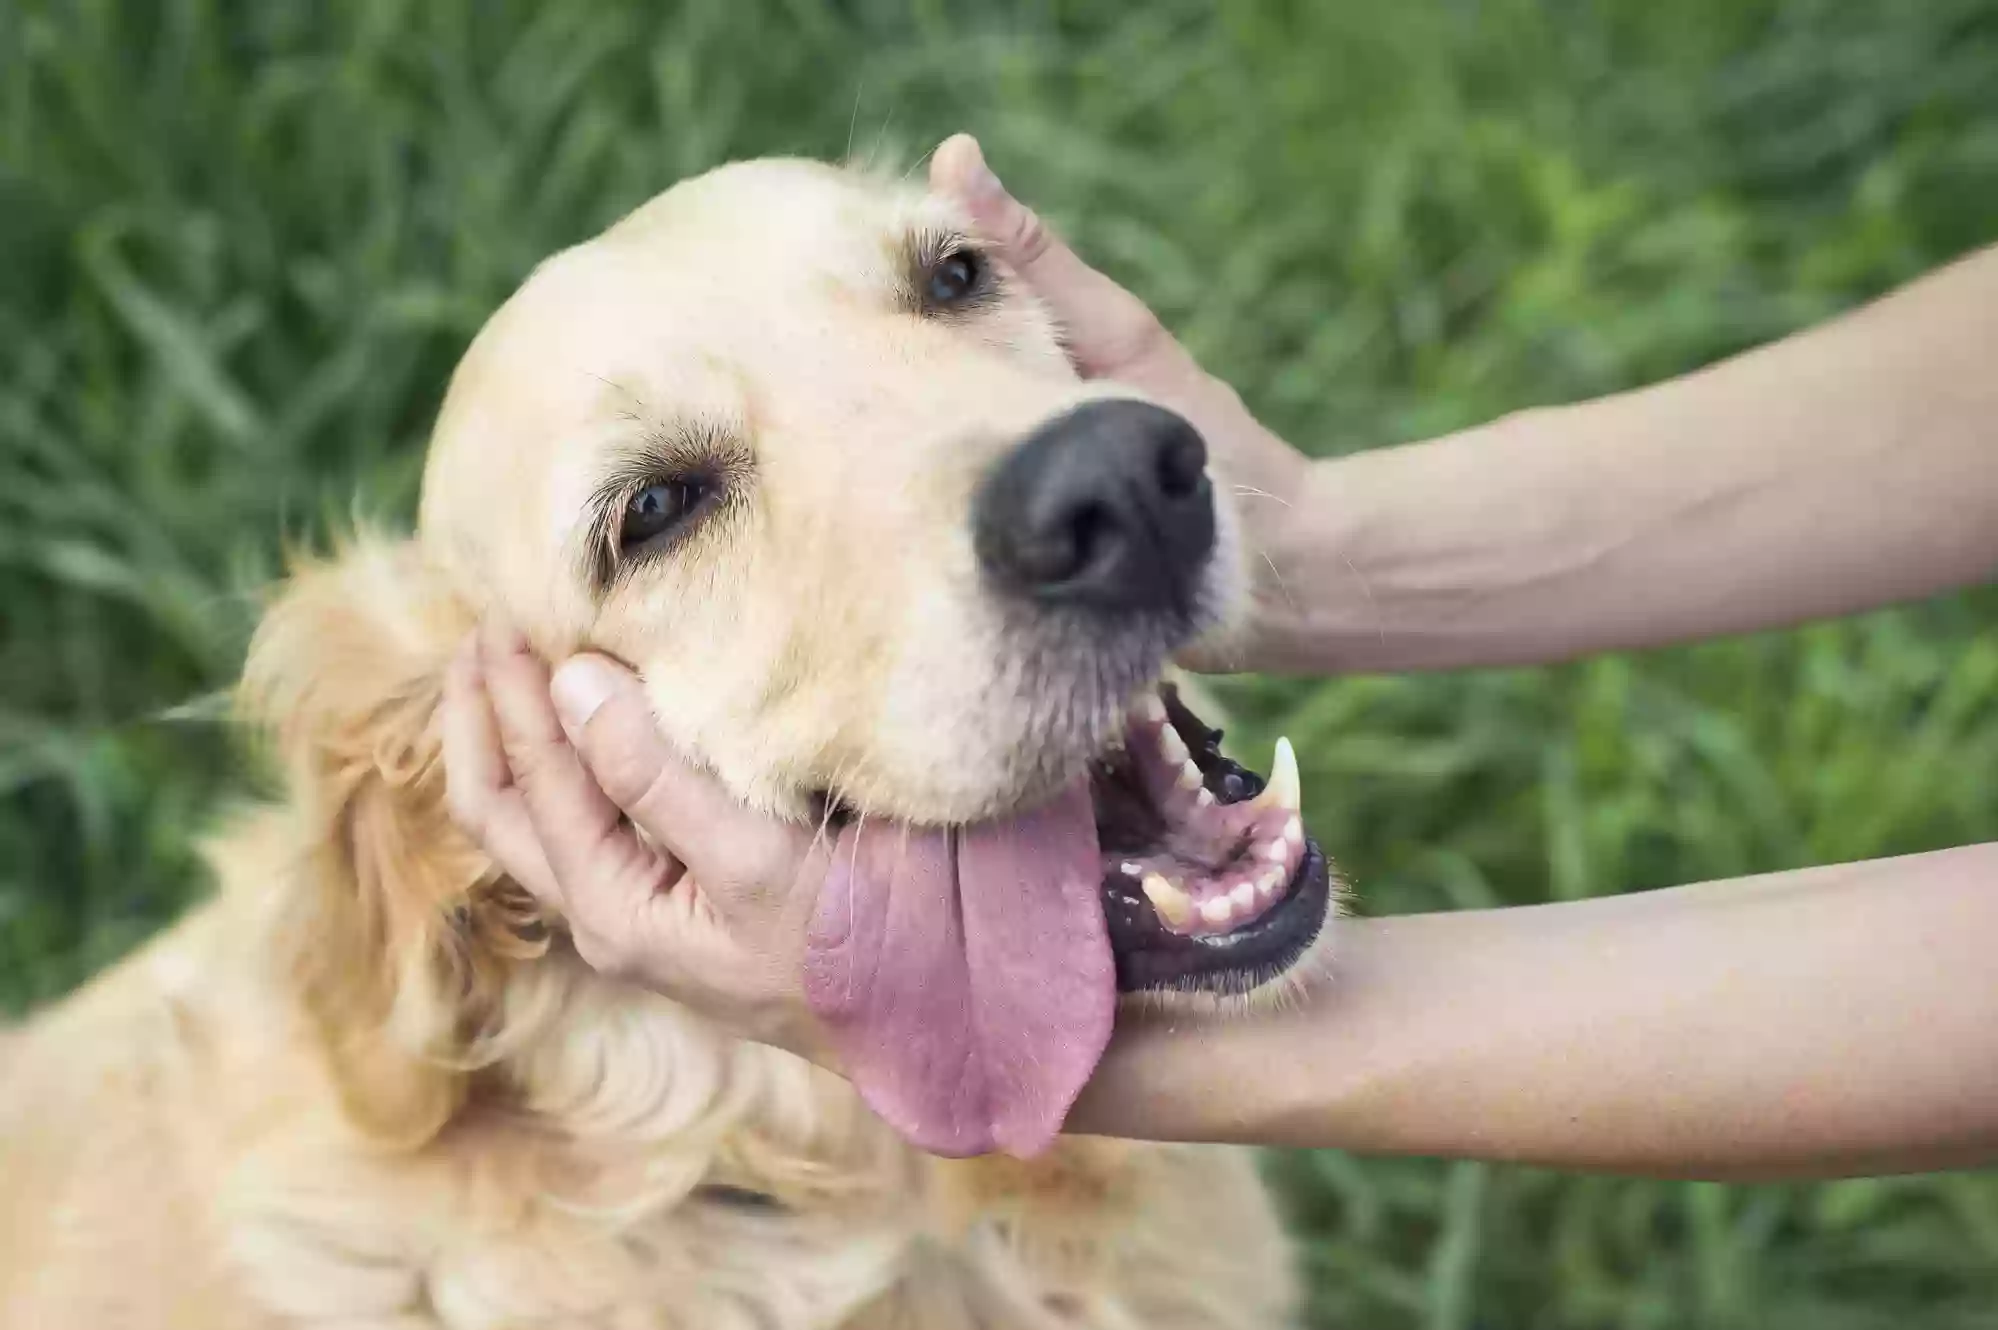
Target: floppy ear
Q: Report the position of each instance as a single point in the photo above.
(398, 934)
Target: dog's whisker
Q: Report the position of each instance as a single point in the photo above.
(853, 119)
(920, 162)
(1373, 605)
(1282, 586)
(832, 801)
(880, 138)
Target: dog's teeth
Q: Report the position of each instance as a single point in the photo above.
(1270, 883)
(1129, 869)
(1172, 747)
(1190, 778)
(1203, 797)
(1276, 851)
(1174, 906)
(1243, 897)
(1293, 832)
(1285, 790)
(1150, 709)
(1217, 910)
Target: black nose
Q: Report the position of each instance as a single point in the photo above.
(1107, 507)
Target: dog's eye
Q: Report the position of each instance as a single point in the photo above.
(657, 509)
(954, 279)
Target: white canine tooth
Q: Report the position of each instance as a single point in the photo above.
(1276, 851)
(1151, 710)
(1129, 869)
(1243, 897)
(1189, 776)
(1174, 906)
(1285, 790)
(1204, 797)
(1218, 910)
(1172, 746)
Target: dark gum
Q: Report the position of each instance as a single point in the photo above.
(1149, 957)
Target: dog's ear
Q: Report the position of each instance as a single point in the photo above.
(397, 934)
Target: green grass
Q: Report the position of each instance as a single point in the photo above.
(242, 243)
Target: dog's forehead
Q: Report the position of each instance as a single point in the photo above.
(765, 225)
(714, 271)
(666, 316)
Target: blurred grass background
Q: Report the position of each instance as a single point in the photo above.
(242, 243)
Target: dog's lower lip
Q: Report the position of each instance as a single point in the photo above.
(1149, 958)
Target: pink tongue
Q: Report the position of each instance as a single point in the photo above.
(965, 976)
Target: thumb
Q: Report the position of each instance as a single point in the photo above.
(1110, 332)
(609, 719)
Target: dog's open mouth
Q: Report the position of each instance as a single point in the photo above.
(968, 974)
(1209, 880)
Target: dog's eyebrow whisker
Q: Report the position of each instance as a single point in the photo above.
(920, 162)
(880, 138)
(1251, 492)
(623, 390)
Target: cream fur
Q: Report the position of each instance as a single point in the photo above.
(368, 1085)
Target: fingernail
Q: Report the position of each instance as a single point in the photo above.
(975, 181)
(579, 688)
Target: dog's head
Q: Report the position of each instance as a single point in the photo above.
(791, 444)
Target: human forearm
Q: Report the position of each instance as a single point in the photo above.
(1819, 1023)
(1849, 467)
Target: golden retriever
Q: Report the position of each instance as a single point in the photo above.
(788, 442)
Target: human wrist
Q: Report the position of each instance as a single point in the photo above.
(1377, 555)
(1307, 601)
(1251, 1075)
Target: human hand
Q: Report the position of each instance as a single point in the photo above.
(777, 933)
(663, 878)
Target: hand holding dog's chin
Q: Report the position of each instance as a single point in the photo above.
(570, 789)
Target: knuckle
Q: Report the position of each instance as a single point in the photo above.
(1031, 238)
(538, 766)
(620, 750)
(628, 776)
(521, 762)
